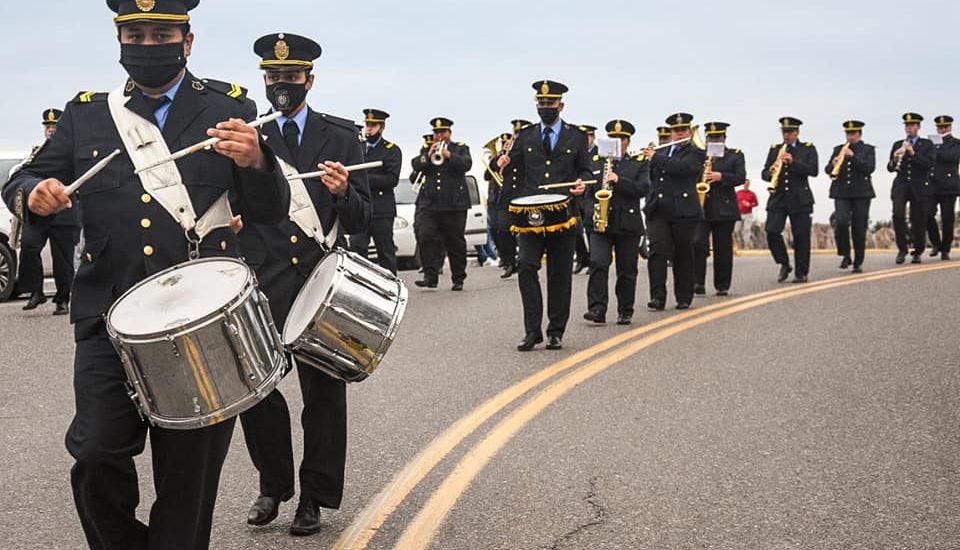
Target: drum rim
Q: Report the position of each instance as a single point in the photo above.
(328, 294)
(559, 200)
(249, 287)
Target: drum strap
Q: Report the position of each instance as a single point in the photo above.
(144, 142)
(303, 212)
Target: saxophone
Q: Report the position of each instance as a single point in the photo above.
(777, 169)
(838, 162)
(601, 208)
(703, 188)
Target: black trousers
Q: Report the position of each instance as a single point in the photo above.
(853, 216)
(506, 243)
(800, 226)
(63, 239)
(670, 241)
(941, 237)
(107, 433)
(722, 235)
(443, 231)
(583, 234)
(266, 430)
(381, 230)
(918, 219)
(602, 248)
(559, 248)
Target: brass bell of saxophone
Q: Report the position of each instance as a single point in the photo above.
(601, 208)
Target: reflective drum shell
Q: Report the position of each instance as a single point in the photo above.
(542, 214)
(345, 317)
(198, 343)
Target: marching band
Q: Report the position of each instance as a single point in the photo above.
(236, 192)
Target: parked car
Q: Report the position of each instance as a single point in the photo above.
(403, 237)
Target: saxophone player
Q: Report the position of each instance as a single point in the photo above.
(911, 159)
(721, 212)
(789, 167)
(850, 167)
(622, 227)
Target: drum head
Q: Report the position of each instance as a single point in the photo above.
(312, 296)
(539, 200)
(179, 296)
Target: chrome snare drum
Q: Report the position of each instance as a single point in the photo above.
(197, 342)
(545, 213)
(345, 317)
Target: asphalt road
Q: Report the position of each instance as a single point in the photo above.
(823, 420)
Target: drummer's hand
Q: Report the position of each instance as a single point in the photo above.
(240, 143)
(612, 177)
(336, 178)
(579, 189)
(236, 223)
(48, 198)
(649, 152)
(503, 161)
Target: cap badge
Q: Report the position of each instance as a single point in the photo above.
(281, 50)
(51, 116)
(146, 5)
(545, 88)
(618, 127)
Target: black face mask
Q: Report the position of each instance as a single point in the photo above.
(373, 138)
(153, 66)
(548, 115)
(286, 97)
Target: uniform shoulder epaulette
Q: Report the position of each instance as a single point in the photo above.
(808, 144)
(342, 122)
(460, 144)
(235, 91)
(572, 127)
(390, 145)
(737, 152)
(596, 158)
(776, 145)
(89, 97)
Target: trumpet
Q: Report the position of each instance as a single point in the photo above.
(436, 156)
(703, 187)
(838, 162)
(776, 169)
(601, 208)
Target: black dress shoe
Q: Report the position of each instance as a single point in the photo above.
(656, 305)
(265, 509)
(785, 271)
(846, 262)
(858, 269)
(35, 300)
(683, 305)
(555, 343)
(901, 257)
(307, 519)
(624, 319)
(508, 271)
(529, 341)
(916, 259)
(945, 256)
(595, 316)
(723, 292)
(62, 309)
(457, 287)
(934, 252)
(699, 289)
(580, 266)
(426, 283)
(800, 279)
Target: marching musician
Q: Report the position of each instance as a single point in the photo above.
(792, 198)
(498, 203)
(673, 210)
(382, 182)
(63, 231)
(583, 204)
(721, 213)
(445, 203)
(946, 182)
(620, 230)
(852, 191)
(551, 151)
(284, 255)
(911, 159)
(130, 236)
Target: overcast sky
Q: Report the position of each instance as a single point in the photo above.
(746, 62)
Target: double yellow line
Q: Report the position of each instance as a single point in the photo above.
(421, 531)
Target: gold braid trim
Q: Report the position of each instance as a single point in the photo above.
(569, 224)
(539, 208)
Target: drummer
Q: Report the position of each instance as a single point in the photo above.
(130, 236)
(283, 256)
(552, 151)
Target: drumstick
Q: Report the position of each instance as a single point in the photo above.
(207, 143)
(321, 173)
(88, 175)
(567, 184)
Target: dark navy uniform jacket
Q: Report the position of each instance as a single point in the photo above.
(721, 204)
(793, 194)
(855, 180)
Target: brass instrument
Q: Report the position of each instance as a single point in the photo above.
(436, 155)
(838, 162)
(695, 138)
(776, 169)
(491, 150)
(601, 208)
(703, 187)
(16, 224)
(418, 178)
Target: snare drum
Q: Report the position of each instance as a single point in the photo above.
(197, 342)
(345, 317)
(547, 213)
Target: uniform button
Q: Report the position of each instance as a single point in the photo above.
(786, 188)
(223, 245)
(96, 153)
(295, 260)
(685, 195)
(293, 239)
(631, 210)
(659, 195)
(148, 250)
(145, 223)
(145, 198)
(661, 179)
(89, 257)
(380, 192)
(547, 175)
(438, 188)
(549, 162)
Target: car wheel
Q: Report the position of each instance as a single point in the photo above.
(8, 271)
